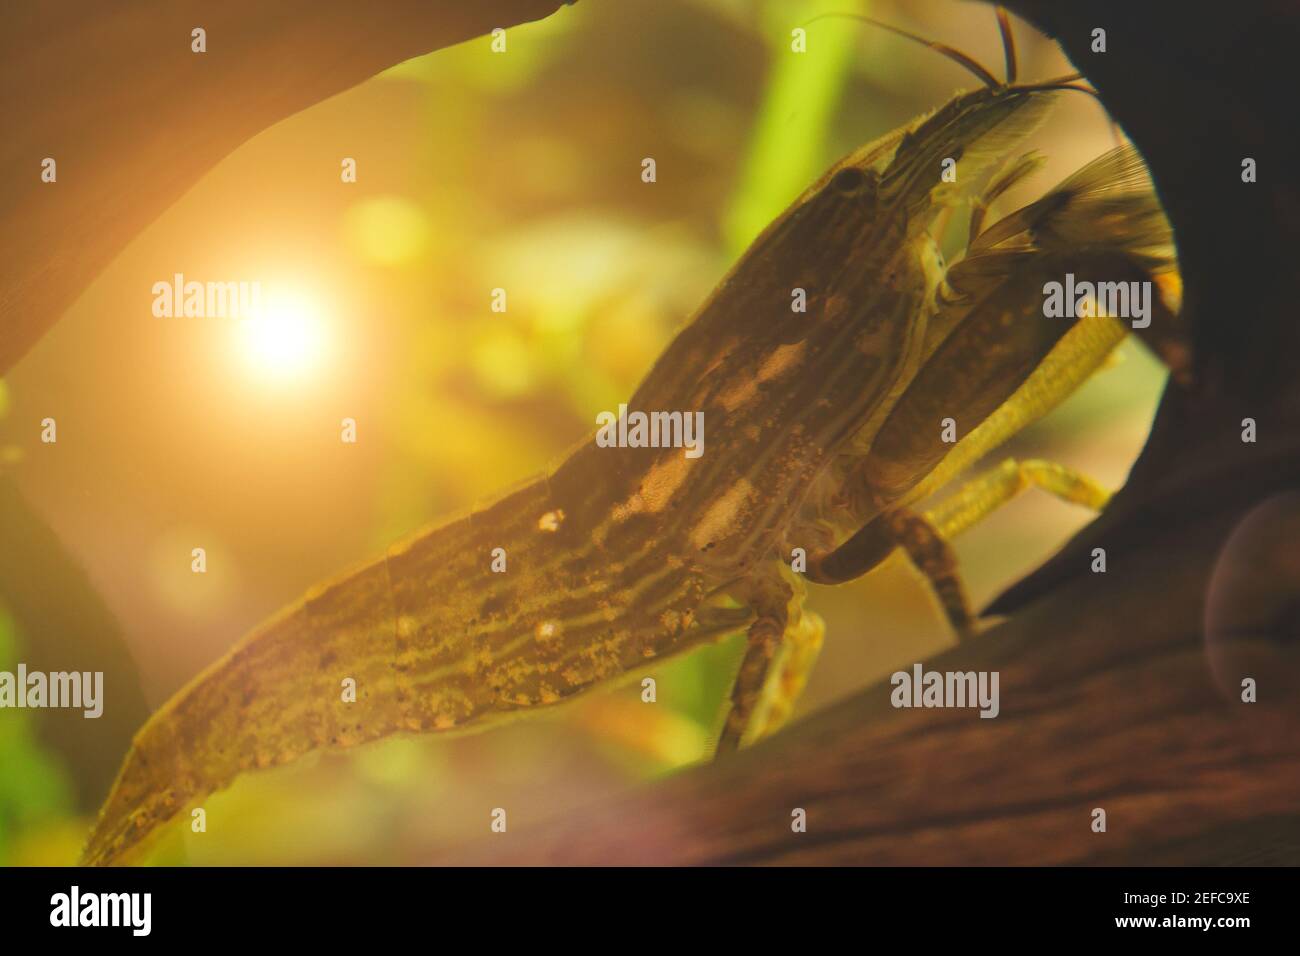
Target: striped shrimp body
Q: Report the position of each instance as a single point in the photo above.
(622, 555)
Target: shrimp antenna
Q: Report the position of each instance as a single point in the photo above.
(1008, 43)
(985, 77)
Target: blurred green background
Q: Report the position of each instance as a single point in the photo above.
(476, 171)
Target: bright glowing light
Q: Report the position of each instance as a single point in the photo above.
(286, 337)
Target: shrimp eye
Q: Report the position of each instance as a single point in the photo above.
(848, 180)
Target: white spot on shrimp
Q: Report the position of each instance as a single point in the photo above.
(657, 488)
(778, 362)
(722, 514)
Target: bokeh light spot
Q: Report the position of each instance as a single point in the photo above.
(387, 230)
